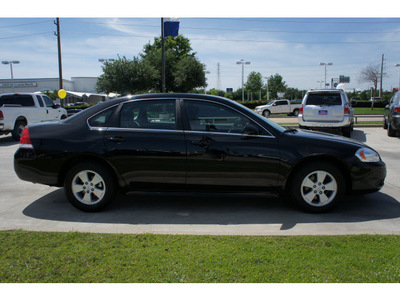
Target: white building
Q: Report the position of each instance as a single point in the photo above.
(78, 88)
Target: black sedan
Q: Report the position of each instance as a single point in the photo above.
(391, 115)
(191, 142)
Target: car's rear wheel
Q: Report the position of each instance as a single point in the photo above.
(390, 131)
(296, 112)
(89, 187)
(317, 187)
(18, 128)
(266, 113)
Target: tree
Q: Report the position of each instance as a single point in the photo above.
(126, 76)
(183, 71)
(254, 82)
(276, 85)
(371, 74)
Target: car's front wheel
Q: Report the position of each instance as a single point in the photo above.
(89, 187)
(317, 187)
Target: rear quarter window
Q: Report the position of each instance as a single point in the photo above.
(324, 99)
(23, 100)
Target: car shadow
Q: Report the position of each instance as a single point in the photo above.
(359, 135)
(206, 209)
(7, 141)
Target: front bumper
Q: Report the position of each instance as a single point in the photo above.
(368, 177)
(347, 120)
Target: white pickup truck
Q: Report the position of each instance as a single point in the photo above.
(278, 107)
(19, 110)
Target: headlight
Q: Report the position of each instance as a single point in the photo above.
(367, 155)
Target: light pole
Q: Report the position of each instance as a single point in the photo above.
(267, 88)
(398, 65)
(242, 62)
(325, 64)
(11, 62)
(205, 87)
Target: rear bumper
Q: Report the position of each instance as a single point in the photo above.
(347, 120)
(25, 166)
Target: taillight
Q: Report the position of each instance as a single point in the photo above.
(25, 140)
(396, 109)
(1, 115)
(301, 109)
(346, 109)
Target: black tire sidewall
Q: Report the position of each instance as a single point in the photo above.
(15, 133)
(108, 181)
(297, 179)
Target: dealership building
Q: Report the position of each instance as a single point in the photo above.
(79, 89)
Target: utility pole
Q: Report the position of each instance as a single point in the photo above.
(57, 34)
(163, 88)
(380, 85)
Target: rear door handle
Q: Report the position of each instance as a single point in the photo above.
(116, 139)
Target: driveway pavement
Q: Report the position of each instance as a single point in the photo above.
(27, 206)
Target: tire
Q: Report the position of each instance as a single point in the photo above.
(385, 126)
(89, 187)
(266, 113)
(347, 131)
(317, 187)
(296, 112)
(18, 128)
(390, 131)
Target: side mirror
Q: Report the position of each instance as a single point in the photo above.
(251, 129)
(56, 106)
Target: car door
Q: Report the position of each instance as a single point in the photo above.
(52, 112)
(227, 148)
(146, 143)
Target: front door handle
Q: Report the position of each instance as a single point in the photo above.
(116, 139)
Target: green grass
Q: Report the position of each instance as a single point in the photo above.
(84, 257)
(368, 111)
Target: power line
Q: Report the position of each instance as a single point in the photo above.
(26, 35)
(25, 24)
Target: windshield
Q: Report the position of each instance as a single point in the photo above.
(255, 115)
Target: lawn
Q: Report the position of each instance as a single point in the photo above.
(85, 257)
(368, 111)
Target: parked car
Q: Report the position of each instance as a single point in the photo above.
(191, 142)
(278, 107)
(391, 115)
(18, 110)
(327, 110)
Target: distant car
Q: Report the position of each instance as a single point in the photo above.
(21, 109)
(191, 142)
(327, 110)
(375, 99)
(355, 98)
(391, 115)
(278, 107)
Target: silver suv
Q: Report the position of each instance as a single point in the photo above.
(325, 110)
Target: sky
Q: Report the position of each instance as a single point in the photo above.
(290, 42)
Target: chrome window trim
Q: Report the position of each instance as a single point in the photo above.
(206, 100)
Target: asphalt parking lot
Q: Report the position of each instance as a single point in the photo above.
(28, 206)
